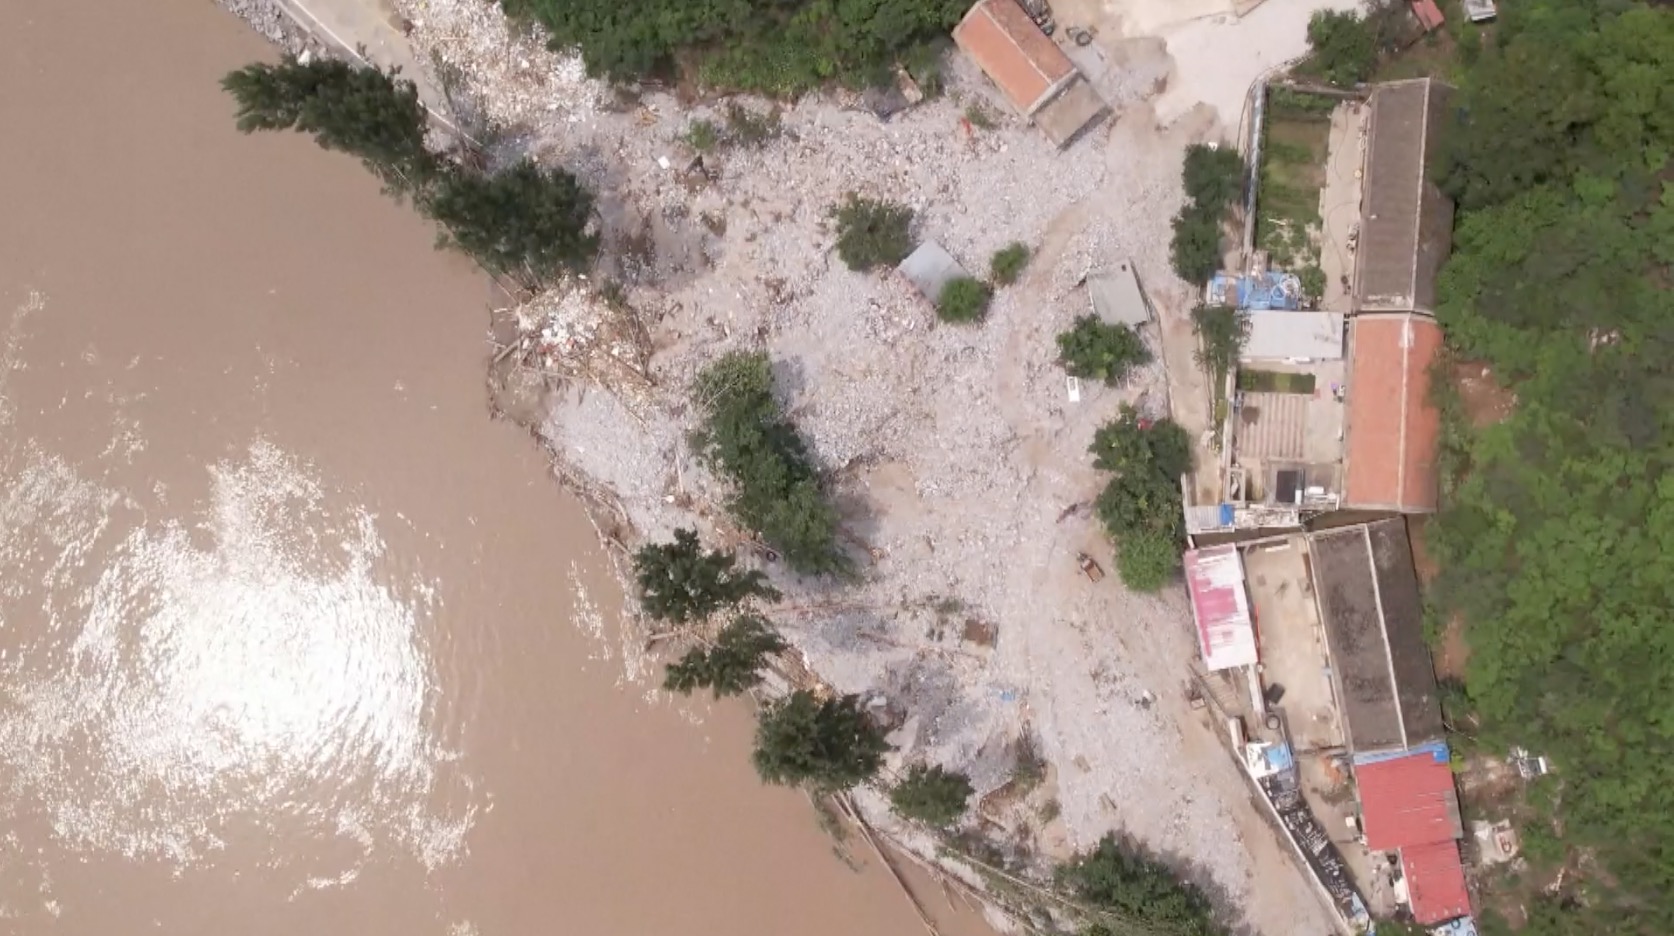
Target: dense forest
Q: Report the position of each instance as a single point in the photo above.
(1556, 541)
(770, 46)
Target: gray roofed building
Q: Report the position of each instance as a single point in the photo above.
(1406, 223)
(1117, 297)
(1294, 336)
(1367, 590)
(929, 269)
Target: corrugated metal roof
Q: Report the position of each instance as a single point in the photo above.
(1117, 298)
(1225, 630)
(929, 268)
(1408, 800)
(1436, 888)
(1028, 67)
(1283, 336)
(1392, 430)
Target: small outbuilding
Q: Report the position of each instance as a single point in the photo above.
(1117, 297)
(930, 268)
(1030, 69)
(1221, 608)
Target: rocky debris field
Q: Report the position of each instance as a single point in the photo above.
(957, 458)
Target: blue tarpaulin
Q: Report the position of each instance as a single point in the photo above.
(1256, 292)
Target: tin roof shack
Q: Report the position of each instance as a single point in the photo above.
(1030, 70)
(930, 268)
(1406, 223)
(1409, 805)
(1117, 297)
(1367, 589)
(1392, 433)
(1220, 607)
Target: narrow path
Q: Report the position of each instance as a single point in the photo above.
(371, 31)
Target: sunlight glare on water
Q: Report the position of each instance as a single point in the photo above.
(250, 666)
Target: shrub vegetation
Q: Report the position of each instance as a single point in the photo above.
(1140, 505)
(932, 795)
(528, 222)
(1008, 263)
(730, 667)
(1097, 350)
(680, 582)
(964, 299)
(825, 745)
(1221, 333)
(1137, 893)
(872, 233)
(776, 490)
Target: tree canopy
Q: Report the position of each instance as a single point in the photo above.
(732, 665)
(776, 490)
(369, 113)
(827, 745)
(1096, 350)
(1213, 178)
(529, 221)
(1140, 505)
(681, 581)
(1137, 892)
(932, 795)
(1556, 541)
(770, 46)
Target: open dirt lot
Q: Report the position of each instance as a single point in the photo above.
(957, 459)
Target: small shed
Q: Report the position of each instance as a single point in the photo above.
(1429, 15)
(1220, 607)
(1294, 336)
(930, 269)
(1117, 298)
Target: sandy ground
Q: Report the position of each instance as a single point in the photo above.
(957, 459)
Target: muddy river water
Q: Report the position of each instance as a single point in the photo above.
(293, 638)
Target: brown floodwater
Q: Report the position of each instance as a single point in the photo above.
(293, 638)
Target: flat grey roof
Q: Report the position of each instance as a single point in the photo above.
(1282, 335)
(1116, 296)
(929, 268)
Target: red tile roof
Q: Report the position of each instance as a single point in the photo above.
(1026, 65)
(1435, 882)
(1221, 608)
(1393, 431)
(1408, 800)
(1427, 13)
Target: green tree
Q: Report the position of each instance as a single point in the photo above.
(1555, 534)
(771, 46)
(776, 490)
(826, 745)
(1096, 350)
(1007, 264)
(365, 112)
(1148, 561)
(1132, 444)
(1213, 175)
(1343, 47)
(963, 300)
(681, 582)
(932, 795)
(1194, 249)
(733, 665)
(1221, 334)
(872, 233)
(529, 222)
(1139, 891)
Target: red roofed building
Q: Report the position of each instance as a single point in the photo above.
(1435, 882)
(1220, 606)
(1408, 804)
(1393, 432)
(1030, 69)
(1408, 799)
